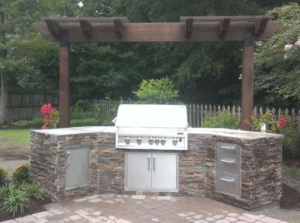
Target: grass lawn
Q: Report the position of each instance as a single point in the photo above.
(292, 172)
(16, 135)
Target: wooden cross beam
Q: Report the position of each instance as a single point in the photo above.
(261, 25)
(86, 27)
(118, 24)
(219, 18)
(159, 32)
(53, 27)
(224, 26)
(189, 27)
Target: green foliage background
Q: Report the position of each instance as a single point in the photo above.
(157, 91)
(202, 72)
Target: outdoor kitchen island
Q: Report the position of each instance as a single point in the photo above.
(237, 167)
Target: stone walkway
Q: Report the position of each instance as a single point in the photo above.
(112, 208)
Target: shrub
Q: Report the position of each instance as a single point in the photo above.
(36, 122)
(12, 199)
(33, 190)
(3, 175)
(21, 174)
(291, 141)
(157, 91)
(275, 126)
(83, 115)
(222, 120)
(85, 122)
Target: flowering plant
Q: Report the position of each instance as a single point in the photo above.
(275, 126)
(51, 116)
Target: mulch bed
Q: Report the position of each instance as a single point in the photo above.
(290, 197)
(34, 207)
(295, 162)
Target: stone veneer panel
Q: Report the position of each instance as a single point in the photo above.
(260, 166)
(261, 161)
(48, 155)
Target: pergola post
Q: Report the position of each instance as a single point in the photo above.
(247, 78)
(64, 79)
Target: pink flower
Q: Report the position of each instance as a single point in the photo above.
(281, 122)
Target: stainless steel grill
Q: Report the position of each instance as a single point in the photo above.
(156, 127)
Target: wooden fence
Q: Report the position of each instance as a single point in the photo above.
(26, 106)
(196, 112)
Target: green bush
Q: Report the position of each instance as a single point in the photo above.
(36, 122)
(33, 190)
(85, 122)
(222, 120)
(291, 141)
(12, 199)
(157, 91)
(3, 175)
(83, 115)
(21, 174)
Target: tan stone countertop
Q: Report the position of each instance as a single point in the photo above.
(207, 131)
(232, 133)
(76, 130)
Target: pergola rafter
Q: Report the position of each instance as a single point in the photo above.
(190, 29)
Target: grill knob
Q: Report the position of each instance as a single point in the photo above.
(151, 141)
(139, 140)
(127, 140)
(175, 141)
(156, 141)
(163, 141)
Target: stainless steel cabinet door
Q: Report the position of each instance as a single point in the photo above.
(78, 167)
(138, 171)
(164, 171)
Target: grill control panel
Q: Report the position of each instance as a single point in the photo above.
(169, 141)
(157, 140)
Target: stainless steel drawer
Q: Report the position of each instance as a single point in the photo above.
(228, 183)
(228, 158)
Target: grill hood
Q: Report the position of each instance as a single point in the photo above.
(152, 127)
(151, 116)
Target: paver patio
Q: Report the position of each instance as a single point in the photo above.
(112, 208)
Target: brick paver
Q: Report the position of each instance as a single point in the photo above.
(112, 208)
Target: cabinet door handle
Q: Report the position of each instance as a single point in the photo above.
(227, 180)
(154, 162)
(69, 158)
(227, 161)
(227, 147)
(148, 162)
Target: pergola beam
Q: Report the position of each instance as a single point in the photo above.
(53, 27)
(261, 25)
(189, 27)
(224, 26)
(90, 19)
(118, 24)
(219, 18)
(86, 27)
(159, 32)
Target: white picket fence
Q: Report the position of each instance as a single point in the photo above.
(197, 112)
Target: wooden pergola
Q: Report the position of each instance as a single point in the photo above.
(189, 29)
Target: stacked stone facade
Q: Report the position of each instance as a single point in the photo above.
(260, 166)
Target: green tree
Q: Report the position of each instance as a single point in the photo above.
(203, 72)
(157, 91)
(18, 44)
(278, 61)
